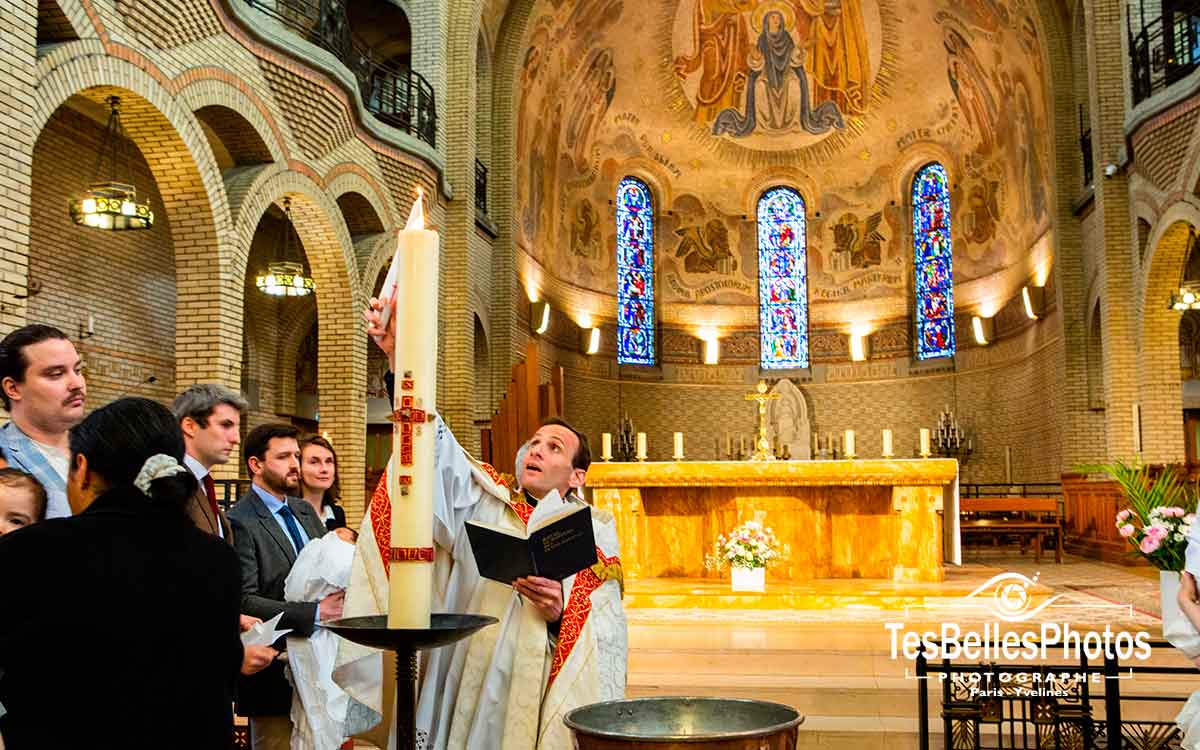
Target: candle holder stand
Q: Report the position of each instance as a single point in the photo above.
(372, 631)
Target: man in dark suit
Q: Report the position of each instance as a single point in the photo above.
(209, 416)
(270, 527)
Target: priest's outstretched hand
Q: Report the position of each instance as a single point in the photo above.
(384, 335)
(544, 593)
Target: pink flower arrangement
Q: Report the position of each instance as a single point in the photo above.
(1159, 513)
(1160, 535)
(750, 545)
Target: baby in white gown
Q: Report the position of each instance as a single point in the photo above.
(318, 704)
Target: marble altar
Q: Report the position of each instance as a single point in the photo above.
(874, 519)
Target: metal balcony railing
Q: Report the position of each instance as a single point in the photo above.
(481, 173)
(394, 94)
(1164, 49)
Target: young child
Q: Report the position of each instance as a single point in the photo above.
(318, 704)
(22, 500)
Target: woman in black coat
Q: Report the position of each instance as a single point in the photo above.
(120, 623)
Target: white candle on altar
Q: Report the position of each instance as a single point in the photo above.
(678, 446)
(925, 442)
(1008, 464)
(849, 444)
(410, 469)
(606, 446)
(641, 446)
(887, 444)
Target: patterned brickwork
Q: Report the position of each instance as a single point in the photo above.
(53, 24)
(168, 23)
(318, 121)
(1159, 153)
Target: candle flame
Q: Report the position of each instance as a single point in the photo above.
(416, 216)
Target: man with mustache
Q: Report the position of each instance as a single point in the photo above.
(270, 527)
(42, 386)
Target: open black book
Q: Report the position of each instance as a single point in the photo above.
(556, 547)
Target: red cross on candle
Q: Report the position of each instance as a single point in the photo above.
(408, 416)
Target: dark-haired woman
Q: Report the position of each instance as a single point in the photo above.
(120, 625)
(319, 480)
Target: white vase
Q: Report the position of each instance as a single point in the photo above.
(748, 579)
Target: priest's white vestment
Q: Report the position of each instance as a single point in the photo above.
(508, 686)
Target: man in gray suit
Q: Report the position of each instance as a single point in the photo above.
(270, 527)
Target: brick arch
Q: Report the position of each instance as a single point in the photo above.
(208, 92)
(378, 252)
(174, 146)
(340, 300)
(1159, 385)
(346, 178)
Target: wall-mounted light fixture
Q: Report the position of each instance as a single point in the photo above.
(589, 340)
(1034, 300)
(860, 347)
(539, 317)
(710, 347)
(984, 330)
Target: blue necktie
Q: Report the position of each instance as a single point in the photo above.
(289, 521)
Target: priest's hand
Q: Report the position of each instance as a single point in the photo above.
(245, 622)
(257, 658)
(385, 335)
(544, 594)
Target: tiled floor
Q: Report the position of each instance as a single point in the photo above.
(825, 649)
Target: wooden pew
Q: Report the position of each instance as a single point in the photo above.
(999, 517)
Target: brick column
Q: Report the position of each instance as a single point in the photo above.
(19, 40)
(1109, 94)
(456, 391)
(508, 335)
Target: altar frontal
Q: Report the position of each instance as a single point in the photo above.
(895, 520)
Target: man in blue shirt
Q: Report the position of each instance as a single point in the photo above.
(42, 386)
(270, 527)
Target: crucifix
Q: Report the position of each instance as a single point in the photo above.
(762, 446)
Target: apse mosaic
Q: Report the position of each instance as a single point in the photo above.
(712, 101)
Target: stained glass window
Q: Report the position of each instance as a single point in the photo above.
(782, 280)
(635, 273)
(933, 263)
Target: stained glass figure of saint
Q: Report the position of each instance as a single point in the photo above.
(635, 273)
(933, 263)
(782, 280)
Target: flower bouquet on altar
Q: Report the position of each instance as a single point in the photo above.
(747, 551)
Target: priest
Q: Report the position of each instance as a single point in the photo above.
(557, 646)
